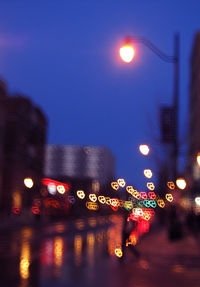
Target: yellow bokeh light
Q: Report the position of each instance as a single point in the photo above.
(58, 251)
(148, 173)
(101, 199)
(61, 189)
(171, 185)
(150, 185)
(121, 182)
(169, 197)
(107, 200)
(198, 159)
(80, 194)
(118, 252)
(161, 203)
(24, 260)
(127, 53)
(133, 191)
(28, 182)
(133, 239)
(130, 189)
(93, 197)
(144, 149)
(136, 194)
(115, 185)
(92, 205)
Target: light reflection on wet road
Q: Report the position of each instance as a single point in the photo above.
(80, 253)
(59, 254)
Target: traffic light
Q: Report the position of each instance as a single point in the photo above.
(167, 121)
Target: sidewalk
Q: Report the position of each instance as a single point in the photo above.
(164, 263)
(157, 243)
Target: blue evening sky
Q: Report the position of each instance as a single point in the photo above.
(63, 54)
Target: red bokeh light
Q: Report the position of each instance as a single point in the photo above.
(16, 210)
(47, 181)
(35, 210)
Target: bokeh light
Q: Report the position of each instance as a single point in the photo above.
(121, 182)
(51, 188)
(127, 53)
(28, 182)
(171, 184)
(169, 197)
(93, 197)
(198, 159)
(115, 185)
(61, 189)
(80, 194)
(144, 149)
(181, 183)
(150, 185)
(148, 173)
(197, 200)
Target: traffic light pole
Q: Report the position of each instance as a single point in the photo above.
(176, 105)
(175, 61)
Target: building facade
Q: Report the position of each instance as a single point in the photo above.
(23, 152)
(79, 162)
(194, 118)
(3, 95)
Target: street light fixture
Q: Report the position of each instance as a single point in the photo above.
(125, 50)
(127, 53)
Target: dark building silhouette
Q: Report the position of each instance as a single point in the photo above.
(23, 152)
(2, 130)
(194, 118)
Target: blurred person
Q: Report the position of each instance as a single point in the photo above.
(129, 226)
(198, 221)
(162, 216)
(191, 222)
(175, 228)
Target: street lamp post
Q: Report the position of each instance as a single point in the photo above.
(169, 59)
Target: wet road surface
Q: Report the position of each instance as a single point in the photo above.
(81, 253)
(59, 254)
